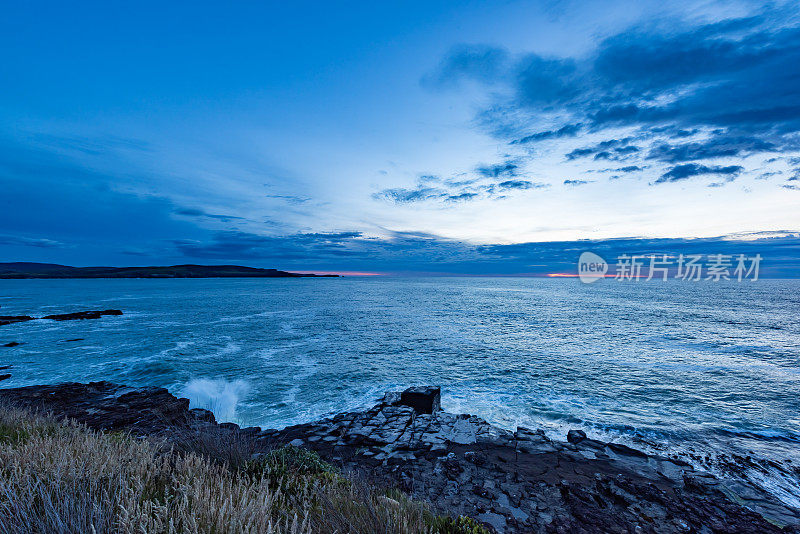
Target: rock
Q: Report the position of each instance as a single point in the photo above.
(12, 344)
(107, 406)
(71, 340)
(497, 521)
(576, 436)
(4, 377)
(94, 314)
(424, 399)
(619, 448)
(8, 319)
(201, 414)
(514, 482)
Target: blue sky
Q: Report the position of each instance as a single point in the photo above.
(459, 137)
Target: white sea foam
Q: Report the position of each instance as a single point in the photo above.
(269, 352)
(305, 367)
(241, 318)
(218, 395)
(229, 348)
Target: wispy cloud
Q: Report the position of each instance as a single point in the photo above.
(193, 212)
(689, 170)
(489, 181)
(19, 241)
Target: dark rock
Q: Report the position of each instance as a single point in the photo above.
(624, 449)
(424, 399)
(462, 465)
(203, 415)
(12, 344)
(72, 340)
(94, 314)
(8, 319)
(106, 406)
(4, 377)
(576, 436)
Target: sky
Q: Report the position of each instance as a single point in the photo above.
(416, 137)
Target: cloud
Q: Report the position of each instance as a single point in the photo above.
(55, 204)
(576, 182)
(400, 195)
(92, 146)
(460, 197)
(580, 152)
(19, 241)
(520, 184)
(686, 91)
(422, 252)
(688, 170)
(489, 181)
(193, 212)
(481, 62)
(568, 130)
(611, 149)
(291, 199)
(400, 250)
(713, 148)
(508, 169)
(780, 250)
(245, 245)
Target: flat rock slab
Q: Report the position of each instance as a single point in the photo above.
(518, 481)
(93, 314)
(90, 314)
(9, 319)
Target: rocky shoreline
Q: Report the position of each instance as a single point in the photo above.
(519, 481)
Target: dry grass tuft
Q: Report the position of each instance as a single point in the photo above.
(64, 478)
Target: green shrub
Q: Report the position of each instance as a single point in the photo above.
(294, 460)
(463, 525)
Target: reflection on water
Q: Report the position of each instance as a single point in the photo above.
(651, 363)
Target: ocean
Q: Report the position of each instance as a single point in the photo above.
(703, 370)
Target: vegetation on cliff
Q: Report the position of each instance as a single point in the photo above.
(63, 477)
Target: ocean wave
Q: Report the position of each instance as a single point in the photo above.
(218, 395)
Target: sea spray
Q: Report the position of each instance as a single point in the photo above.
(218, 395)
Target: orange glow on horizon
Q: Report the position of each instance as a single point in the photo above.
(341, 273)
(571, 275)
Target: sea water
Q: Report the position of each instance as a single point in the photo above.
(683, 368)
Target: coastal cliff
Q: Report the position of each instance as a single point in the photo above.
(25, 270)
(519, 481)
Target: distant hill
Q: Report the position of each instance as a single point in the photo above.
(52, 270)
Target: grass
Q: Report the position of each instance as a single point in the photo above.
(60, 477)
